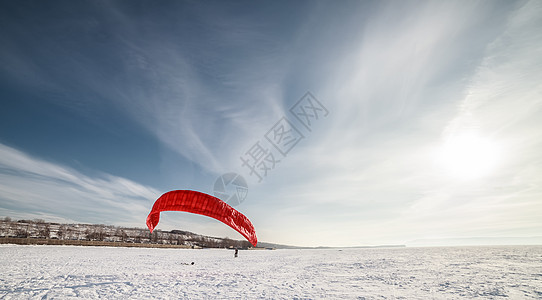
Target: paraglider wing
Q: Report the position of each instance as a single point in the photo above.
(203, 204)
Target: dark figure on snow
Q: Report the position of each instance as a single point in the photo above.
(236, 252)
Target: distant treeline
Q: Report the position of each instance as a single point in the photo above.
(39, 241)
(38, 229)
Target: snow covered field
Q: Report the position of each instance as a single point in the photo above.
(64, 272)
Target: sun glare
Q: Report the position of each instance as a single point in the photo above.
(468, 156)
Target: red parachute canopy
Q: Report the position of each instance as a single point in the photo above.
(203, 204)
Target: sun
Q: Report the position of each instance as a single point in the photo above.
(468, 156)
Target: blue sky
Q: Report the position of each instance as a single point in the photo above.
(432, 123)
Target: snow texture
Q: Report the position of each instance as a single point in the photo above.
(69, 272)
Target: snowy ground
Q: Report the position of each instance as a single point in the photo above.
(65, 272)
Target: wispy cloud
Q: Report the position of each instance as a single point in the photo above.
(31, 187)
(370, 172)
(177, 83)
(204, 95)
